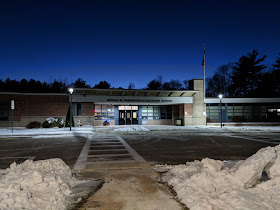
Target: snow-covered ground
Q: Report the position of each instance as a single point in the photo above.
(44, 184)
(211, 184)
(62, 132)
(45, 132)
(131, 129)
(122, 129)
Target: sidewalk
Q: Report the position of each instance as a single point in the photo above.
(129, 186)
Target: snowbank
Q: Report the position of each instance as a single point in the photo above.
(131, 129)
(210, 184)
(46, 132)
(45, 184)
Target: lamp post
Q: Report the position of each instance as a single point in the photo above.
(221, 96)
(70, 91)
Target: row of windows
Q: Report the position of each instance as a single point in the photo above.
(156, 112)
(239, 112)
(104, 112)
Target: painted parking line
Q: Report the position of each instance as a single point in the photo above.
(106, 149)
(268, 140)
(134, 154)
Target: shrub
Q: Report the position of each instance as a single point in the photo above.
(52, 122)
(46, 124)
(208, 120)
(34, 124)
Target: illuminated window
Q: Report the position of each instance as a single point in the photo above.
(156, 112)
(104, 112)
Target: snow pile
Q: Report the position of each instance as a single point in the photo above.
(46, 132)
(44, 184)
(210, 184)
(51, 120)
(131, 129)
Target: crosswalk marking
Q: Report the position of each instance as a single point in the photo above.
(108, 145)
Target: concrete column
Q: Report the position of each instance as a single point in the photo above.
(199, 107)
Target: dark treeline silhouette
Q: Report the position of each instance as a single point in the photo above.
(248, 77)
(35, 86)
(158, 84)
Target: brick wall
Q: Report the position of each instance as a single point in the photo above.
(87, 109)
(37, 105)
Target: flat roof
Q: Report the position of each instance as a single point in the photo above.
(242, 100)
(138, 92)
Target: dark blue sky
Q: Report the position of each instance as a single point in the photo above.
(132, 41)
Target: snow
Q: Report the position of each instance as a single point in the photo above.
(51, 120)
(45, 132)
(131, 129)
(44, 184)
(212, 184)
(209, 128)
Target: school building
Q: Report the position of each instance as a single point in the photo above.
(136, 107)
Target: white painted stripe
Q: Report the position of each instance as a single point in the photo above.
(117, 161)
(134, 154)
(107, 150)
(120, 145)
(105, 142)
(81, 161)
(247, 138)
(109, 155)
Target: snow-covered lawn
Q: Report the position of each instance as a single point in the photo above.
(211, 184)
(45, 132)
(214, 129)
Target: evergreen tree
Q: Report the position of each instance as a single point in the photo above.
(246, 74)
(67, 122)
(277, 65)
(276, 78)
(80, 83)
(102, 85)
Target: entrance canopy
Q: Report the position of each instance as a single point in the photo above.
(140, 97)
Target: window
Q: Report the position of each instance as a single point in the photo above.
(104, 112)
(77, 109)
(156, 112)
(4, 110)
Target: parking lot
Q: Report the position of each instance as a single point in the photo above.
(177, 149)
(157, 146)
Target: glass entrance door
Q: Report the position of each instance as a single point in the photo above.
(128, 115)
(135, 117)
(122, 117)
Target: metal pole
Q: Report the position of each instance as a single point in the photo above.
(70, 111)
(204, 92)
(12, 121)
(221, 112)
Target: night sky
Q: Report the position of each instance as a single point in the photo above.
(132, 41)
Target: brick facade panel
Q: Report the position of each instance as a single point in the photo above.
(87, 109)
(37, 105)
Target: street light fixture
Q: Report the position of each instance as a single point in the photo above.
(221, 96)
(70, 91)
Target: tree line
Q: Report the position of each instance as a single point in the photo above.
(58, 86)
(248, 77)
(36, 86)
